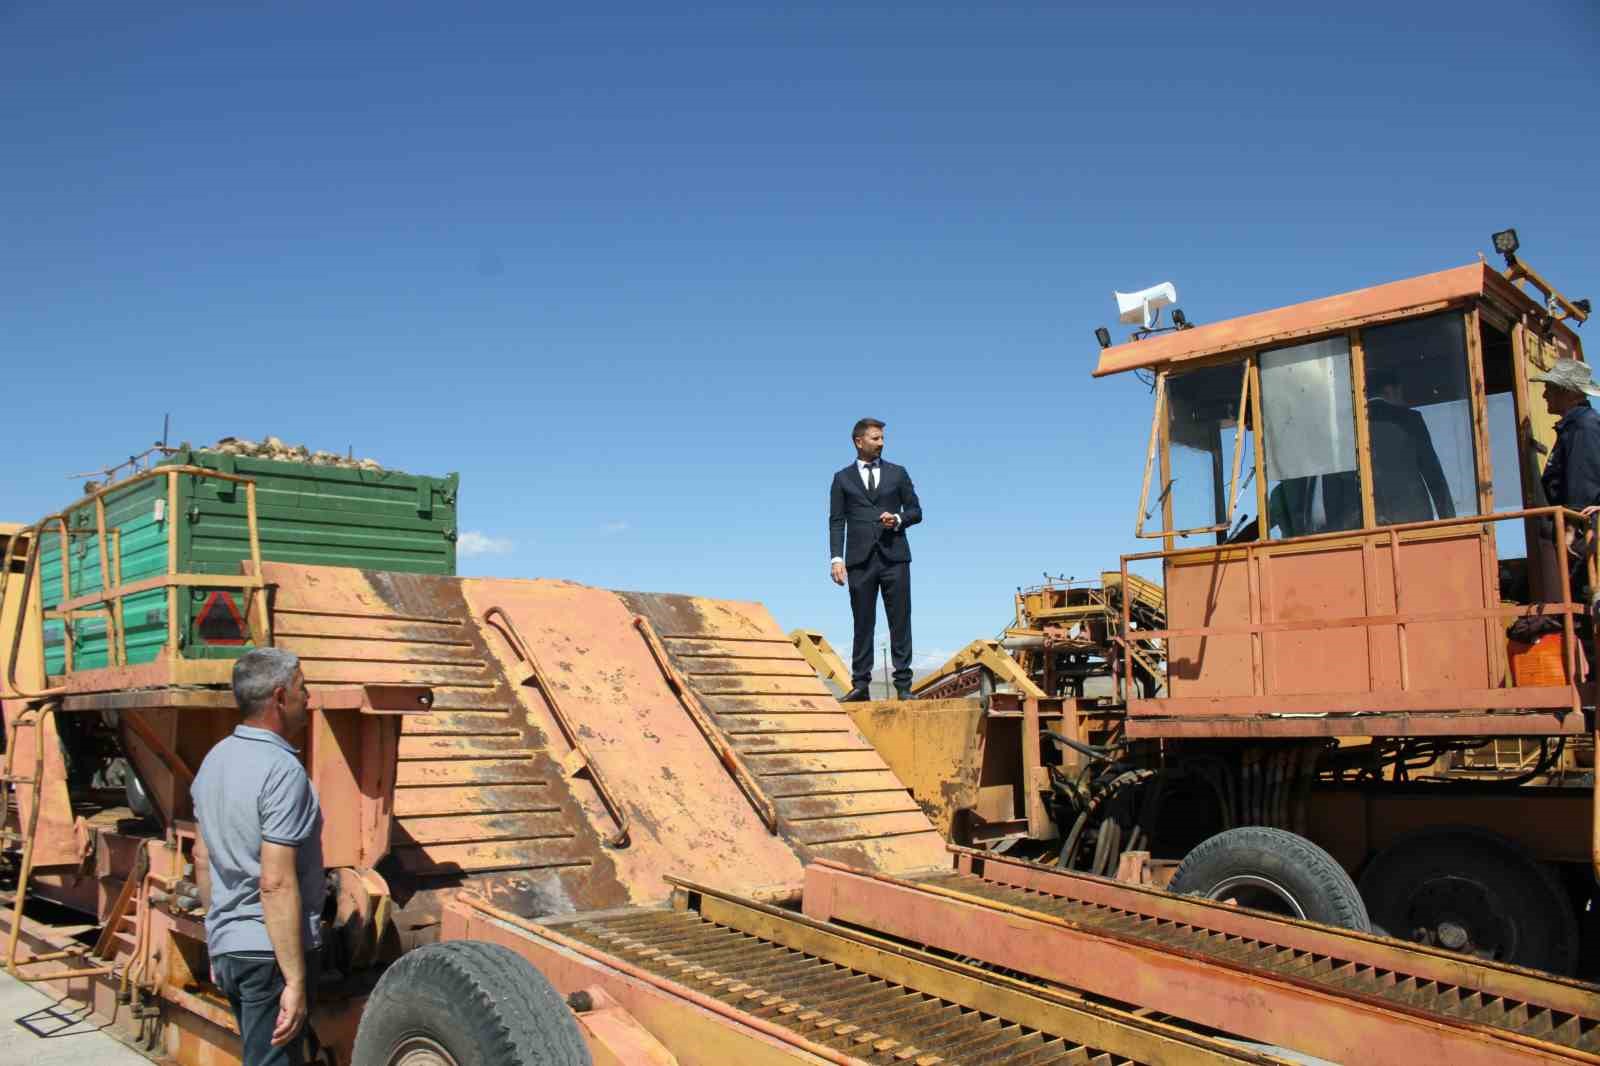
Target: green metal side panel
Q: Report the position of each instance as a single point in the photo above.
(321, 515)
(142, 542)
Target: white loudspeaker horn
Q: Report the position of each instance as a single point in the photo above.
(1142, 306)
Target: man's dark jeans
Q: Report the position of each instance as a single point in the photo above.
(253, 982)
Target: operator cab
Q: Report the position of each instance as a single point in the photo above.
(1347, 496)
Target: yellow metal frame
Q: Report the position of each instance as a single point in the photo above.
(821, 656)
(992, 657)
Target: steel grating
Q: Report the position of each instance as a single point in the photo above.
(1197, 959)
(851, 1008)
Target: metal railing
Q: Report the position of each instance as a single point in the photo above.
(108, 599)
(1369, 541)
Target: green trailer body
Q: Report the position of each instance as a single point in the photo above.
(306, 513)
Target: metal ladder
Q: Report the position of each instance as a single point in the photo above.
(32, 716)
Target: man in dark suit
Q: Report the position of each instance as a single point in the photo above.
(870, 506)
(1408, 482)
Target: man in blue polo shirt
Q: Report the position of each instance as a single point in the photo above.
(261, 877)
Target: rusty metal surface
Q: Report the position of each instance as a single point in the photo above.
(683, 809)
(478, 796)
(937, 749)
(26, 746)
(1384, 724)
(843, 996)
(1396, 620)
(835, 795)
(1325, 992)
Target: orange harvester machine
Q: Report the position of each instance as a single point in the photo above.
(654, 802)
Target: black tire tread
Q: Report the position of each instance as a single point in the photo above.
(508, 1013)
(1562, 954)
(1290, 859)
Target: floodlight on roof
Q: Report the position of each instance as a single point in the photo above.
(1506, 243)
(1103, 335)
(1145, 305)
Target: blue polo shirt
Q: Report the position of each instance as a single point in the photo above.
(252, 789)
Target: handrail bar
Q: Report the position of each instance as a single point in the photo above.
(507, 629)
(708, 729)
(1349, 534)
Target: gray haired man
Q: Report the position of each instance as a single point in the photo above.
(1572, 473)
(261, 877)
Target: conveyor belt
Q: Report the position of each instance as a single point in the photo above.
(1322, 991)
(873, 1001)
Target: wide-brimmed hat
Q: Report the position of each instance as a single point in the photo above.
(1571, 375)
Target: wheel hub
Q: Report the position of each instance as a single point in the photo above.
(1259, 893)
(1461, 914)
(420, 1051)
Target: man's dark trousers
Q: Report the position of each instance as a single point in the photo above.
(253, 982)
(866, 579)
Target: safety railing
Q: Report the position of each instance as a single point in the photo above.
(1560, 518)
(107, 601)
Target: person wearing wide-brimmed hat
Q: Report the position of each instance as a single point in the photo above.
(1572, 473)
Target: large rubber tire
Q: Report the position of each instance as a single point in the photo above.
(1472, 891)
(1273, 870)
(469, 1002)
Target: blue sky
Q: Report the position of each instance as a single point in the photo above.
(635, 271)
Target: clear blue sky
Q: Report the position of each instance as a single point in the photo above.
(635, 273)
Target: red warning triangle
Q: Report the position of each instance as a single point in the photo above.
(220, 621)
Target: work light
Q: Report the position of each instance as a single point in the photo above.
(1506, 243)
(1103, 335)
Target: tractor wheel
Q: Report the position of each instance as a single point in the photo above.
(1471, 891)
(1272, 870)
(467, 1003)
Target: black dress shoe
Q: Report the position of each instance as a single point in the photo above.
(856, 695)
(902, 693)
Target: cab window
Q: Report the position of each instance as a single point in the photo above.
(1309, 438)
(1202, 425)
(1419, 420)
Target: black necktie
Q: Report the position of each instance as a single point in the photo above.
(872, 478)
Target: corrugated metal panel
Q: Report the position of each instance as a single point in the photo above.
(321, 516)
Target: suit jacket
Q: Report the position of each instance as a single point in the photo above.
(1408, 483)
(851, 510)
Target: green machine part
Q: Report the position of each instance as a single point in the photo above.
(305, 513)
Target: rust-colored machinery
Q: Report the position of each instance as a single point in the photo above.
(617, 827)
(1306, 650)
(1065, 639)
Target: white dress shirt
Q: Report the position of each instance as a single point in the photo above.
(862, 468)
